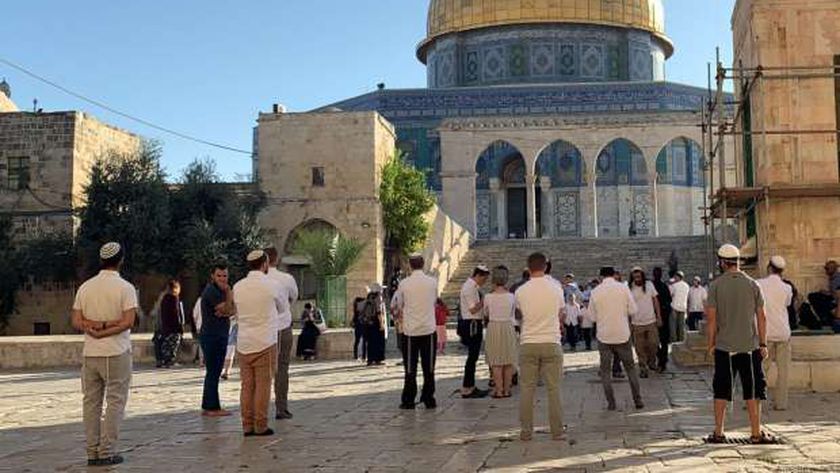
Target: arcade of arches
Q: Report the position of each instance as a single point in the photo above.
(627, 198)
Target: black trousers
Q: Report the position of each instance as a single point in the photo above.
(572, 335)
(587, 337)
(664, 339)
(473, 343)
(424, 349)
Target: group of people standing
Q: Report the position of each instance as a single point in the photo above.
(105, 310)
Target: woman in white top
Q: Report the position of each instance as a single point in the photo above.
(500, 349)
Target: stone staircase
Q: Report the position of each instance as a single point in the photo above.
(581, 256)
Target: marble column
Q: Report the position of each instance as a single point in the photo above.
(547, 205)
(501, 208)
(531, 199)
(593, 186)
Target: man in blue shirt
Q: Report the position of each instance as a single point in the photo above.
(216, 309)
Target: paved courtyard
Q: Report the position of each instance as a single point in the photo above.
(346, 420)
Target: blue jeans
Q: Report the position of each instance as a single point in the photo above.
(214, 348)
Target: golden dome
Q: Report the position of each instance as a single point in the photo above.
(451, 16)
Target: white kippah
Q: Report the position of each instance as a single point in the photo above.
(109, 250)
(255, 255)
(778, 262)
(483, 268)
(415, 255)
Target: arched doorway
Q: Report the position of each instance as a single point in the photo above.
(501, 194)
(299, 265)
(679, 188)
(623, 191)
(560, 168)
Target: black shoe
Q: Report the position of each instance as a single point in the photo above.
(476, 394)
(266, 433)
(283, 415)
(430, 403)
(515, 380)
(248, 434)
(108, 461)
(407, 407)
(640, 404)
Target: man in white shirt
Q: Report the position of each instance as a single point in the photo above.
(104, 309)
(258, 306)
(541, 303)
(472, 313)
(289, 291)
(415, 299)
(679, 304)
(697, 296)
(778, 295)
(646, 321)
(612, 305)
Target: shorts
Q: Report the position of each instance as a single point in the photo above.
(749, 369)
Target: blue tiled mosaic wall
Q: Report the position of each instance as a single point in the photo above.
(544, 54)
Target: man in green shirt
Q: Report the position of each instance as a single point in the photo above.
(737, 336)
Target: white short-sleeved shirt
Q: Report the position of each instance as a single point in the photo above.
(104, 298)
(645, 313)
(415, 298)
(679, 296)
(501, 307)
(470, 297)
(540, 301)
(289, 291)
(777, 297)
(697, 297)
(257, 303)
(612, 304)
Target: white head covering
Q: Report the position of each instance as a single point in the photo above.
(778, 262)
(109, 250)
(255, 255)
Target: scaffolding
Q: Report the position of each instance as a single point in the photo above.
(724, 118)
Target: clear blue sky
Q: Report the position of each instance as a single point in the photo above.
(207, 67)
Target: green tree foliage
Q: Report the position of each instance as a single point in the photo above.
(405, 201)
(127, 200)
(329, 253)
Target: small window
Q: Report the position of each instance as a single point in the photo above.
(318, 177)
(41, 328)
(18, 173)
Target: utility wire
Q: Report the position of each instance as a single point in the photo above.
(108, 108)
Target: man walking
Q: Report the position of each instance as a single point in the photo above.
(737, 339)
(104, 309)
(679, 304)
(778, 295)
(663, 292)
(415, 299)
(472, 311)
(612, 305)
(697, 297)
(258, 305)
(289, 291)
(646, 321)
(541, 303)
(216, 311)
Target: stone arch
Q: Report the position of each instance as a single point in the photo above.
(298, 265)
(561, 172)
(501, 172)
(623, 191)
(679, 187)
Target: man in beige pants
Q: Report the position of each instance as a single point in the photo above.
(778, 295)
(104, 309)
(541, 303)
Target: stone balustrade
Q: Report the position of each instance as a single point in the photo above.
(57, 351)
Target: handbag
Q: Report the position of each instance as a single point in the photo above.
(320, 323)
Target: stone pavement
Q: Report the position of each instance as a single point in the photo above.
(346, 420)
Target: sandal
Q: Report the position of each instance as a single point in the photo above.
(715, 439)
(497, 396)
(507, 394)
(763, 439)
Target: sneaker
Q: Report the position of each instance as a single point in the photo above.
(108, 461)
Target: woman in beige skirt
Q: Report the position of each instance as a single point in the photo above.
(500, 349)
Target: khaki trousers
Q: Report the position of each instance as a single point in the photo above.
(780, 354)
(104, 379)
(256, 371)
(281, 381)
(540, 361)
(646, 342)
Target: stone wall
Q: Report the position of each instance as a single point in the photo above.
(351, 148)
(447, 245)
(783, 34)
(44, 304)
